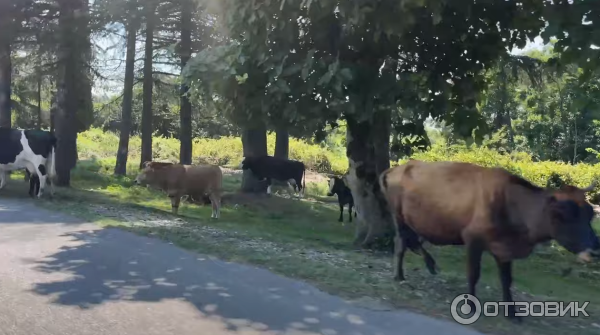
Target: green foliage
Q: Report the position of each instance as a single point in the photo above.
(576, 28)
(544, 107)
(343, 65)
(225, 151)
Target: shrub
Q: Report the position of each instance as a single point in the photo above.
(227, 151)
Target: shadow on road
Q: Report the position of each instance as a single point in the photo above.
(15, 210)
(112, 265)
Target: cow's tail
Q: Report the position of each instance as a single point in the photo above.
(51, 162)
(383, 183)
(303, 179)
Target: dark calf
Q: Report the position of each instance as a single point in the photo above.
(339, 187)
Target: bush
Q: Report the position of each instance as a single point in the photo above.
(225, 151)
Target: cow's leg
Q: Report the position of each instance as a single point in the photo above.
(34, 184)
(474, 253)
(51, 184)
(215, 201)
(400, 246)
(175, 201)
(269, 186)
(341, 218)
(41, 173)
(300, 189)
(291, 186)
(350, 205)
(505, 271)
(429, 261)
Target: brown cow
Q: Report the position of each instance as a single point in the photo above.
(178, 180)
(485, 209)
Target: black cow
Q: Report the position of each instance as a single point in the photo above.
(268, 167)
(33, 150)
(339, 187)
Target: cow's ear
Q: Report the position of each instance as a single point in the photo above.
(146, 164)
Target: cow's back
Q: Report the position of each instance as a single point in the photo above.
(277, 168)
(10, 144)
(439, 199)
(40, 141)
(203, 178)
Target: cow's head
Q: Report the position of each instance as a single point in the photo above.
(336, 185)
(246, 162)
(572, 221)
(149, 171)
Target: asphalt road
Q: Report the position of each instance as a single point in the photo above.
(59, 276)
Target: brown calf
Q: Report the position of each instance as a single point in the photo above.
(178, 180)
(485, 209)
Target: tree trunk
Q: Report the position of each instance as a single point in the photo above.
(53, 108)
(185, 112)
(5, 82)
(368, 156)
(254, 141)
(126, 111)
(282, 143)
(72, 57)
(39, 98)
(146, 154)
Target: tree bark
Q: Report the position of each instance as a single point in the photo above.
(254, 141)
(368, 156)
(126, 111)
(146, 154)
(39, 98)
(72, 57)
(5, 82)
(185, 108)
(53, 108)
(282, 143)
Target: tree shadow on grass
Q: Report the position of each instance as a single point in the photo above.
(112, 265)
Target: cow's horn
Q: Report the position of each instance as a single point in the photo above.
(591, 187)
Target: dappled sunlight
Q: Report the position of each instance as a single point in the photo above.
(112, 268)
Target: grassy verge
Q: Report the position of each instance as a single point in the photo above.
(302, 239)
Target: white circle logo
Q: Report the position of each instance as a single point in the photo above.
(465, 309)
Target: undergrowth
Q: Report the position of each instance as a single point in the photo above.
(227, 151)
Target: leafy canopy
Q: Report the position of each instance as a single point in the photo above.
(297, 60)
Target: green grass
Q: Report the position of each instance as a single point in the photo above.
(302, 239)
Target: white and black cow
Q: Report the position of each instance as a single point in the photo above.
(338, 186)
(269, 167)
(33, 150)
